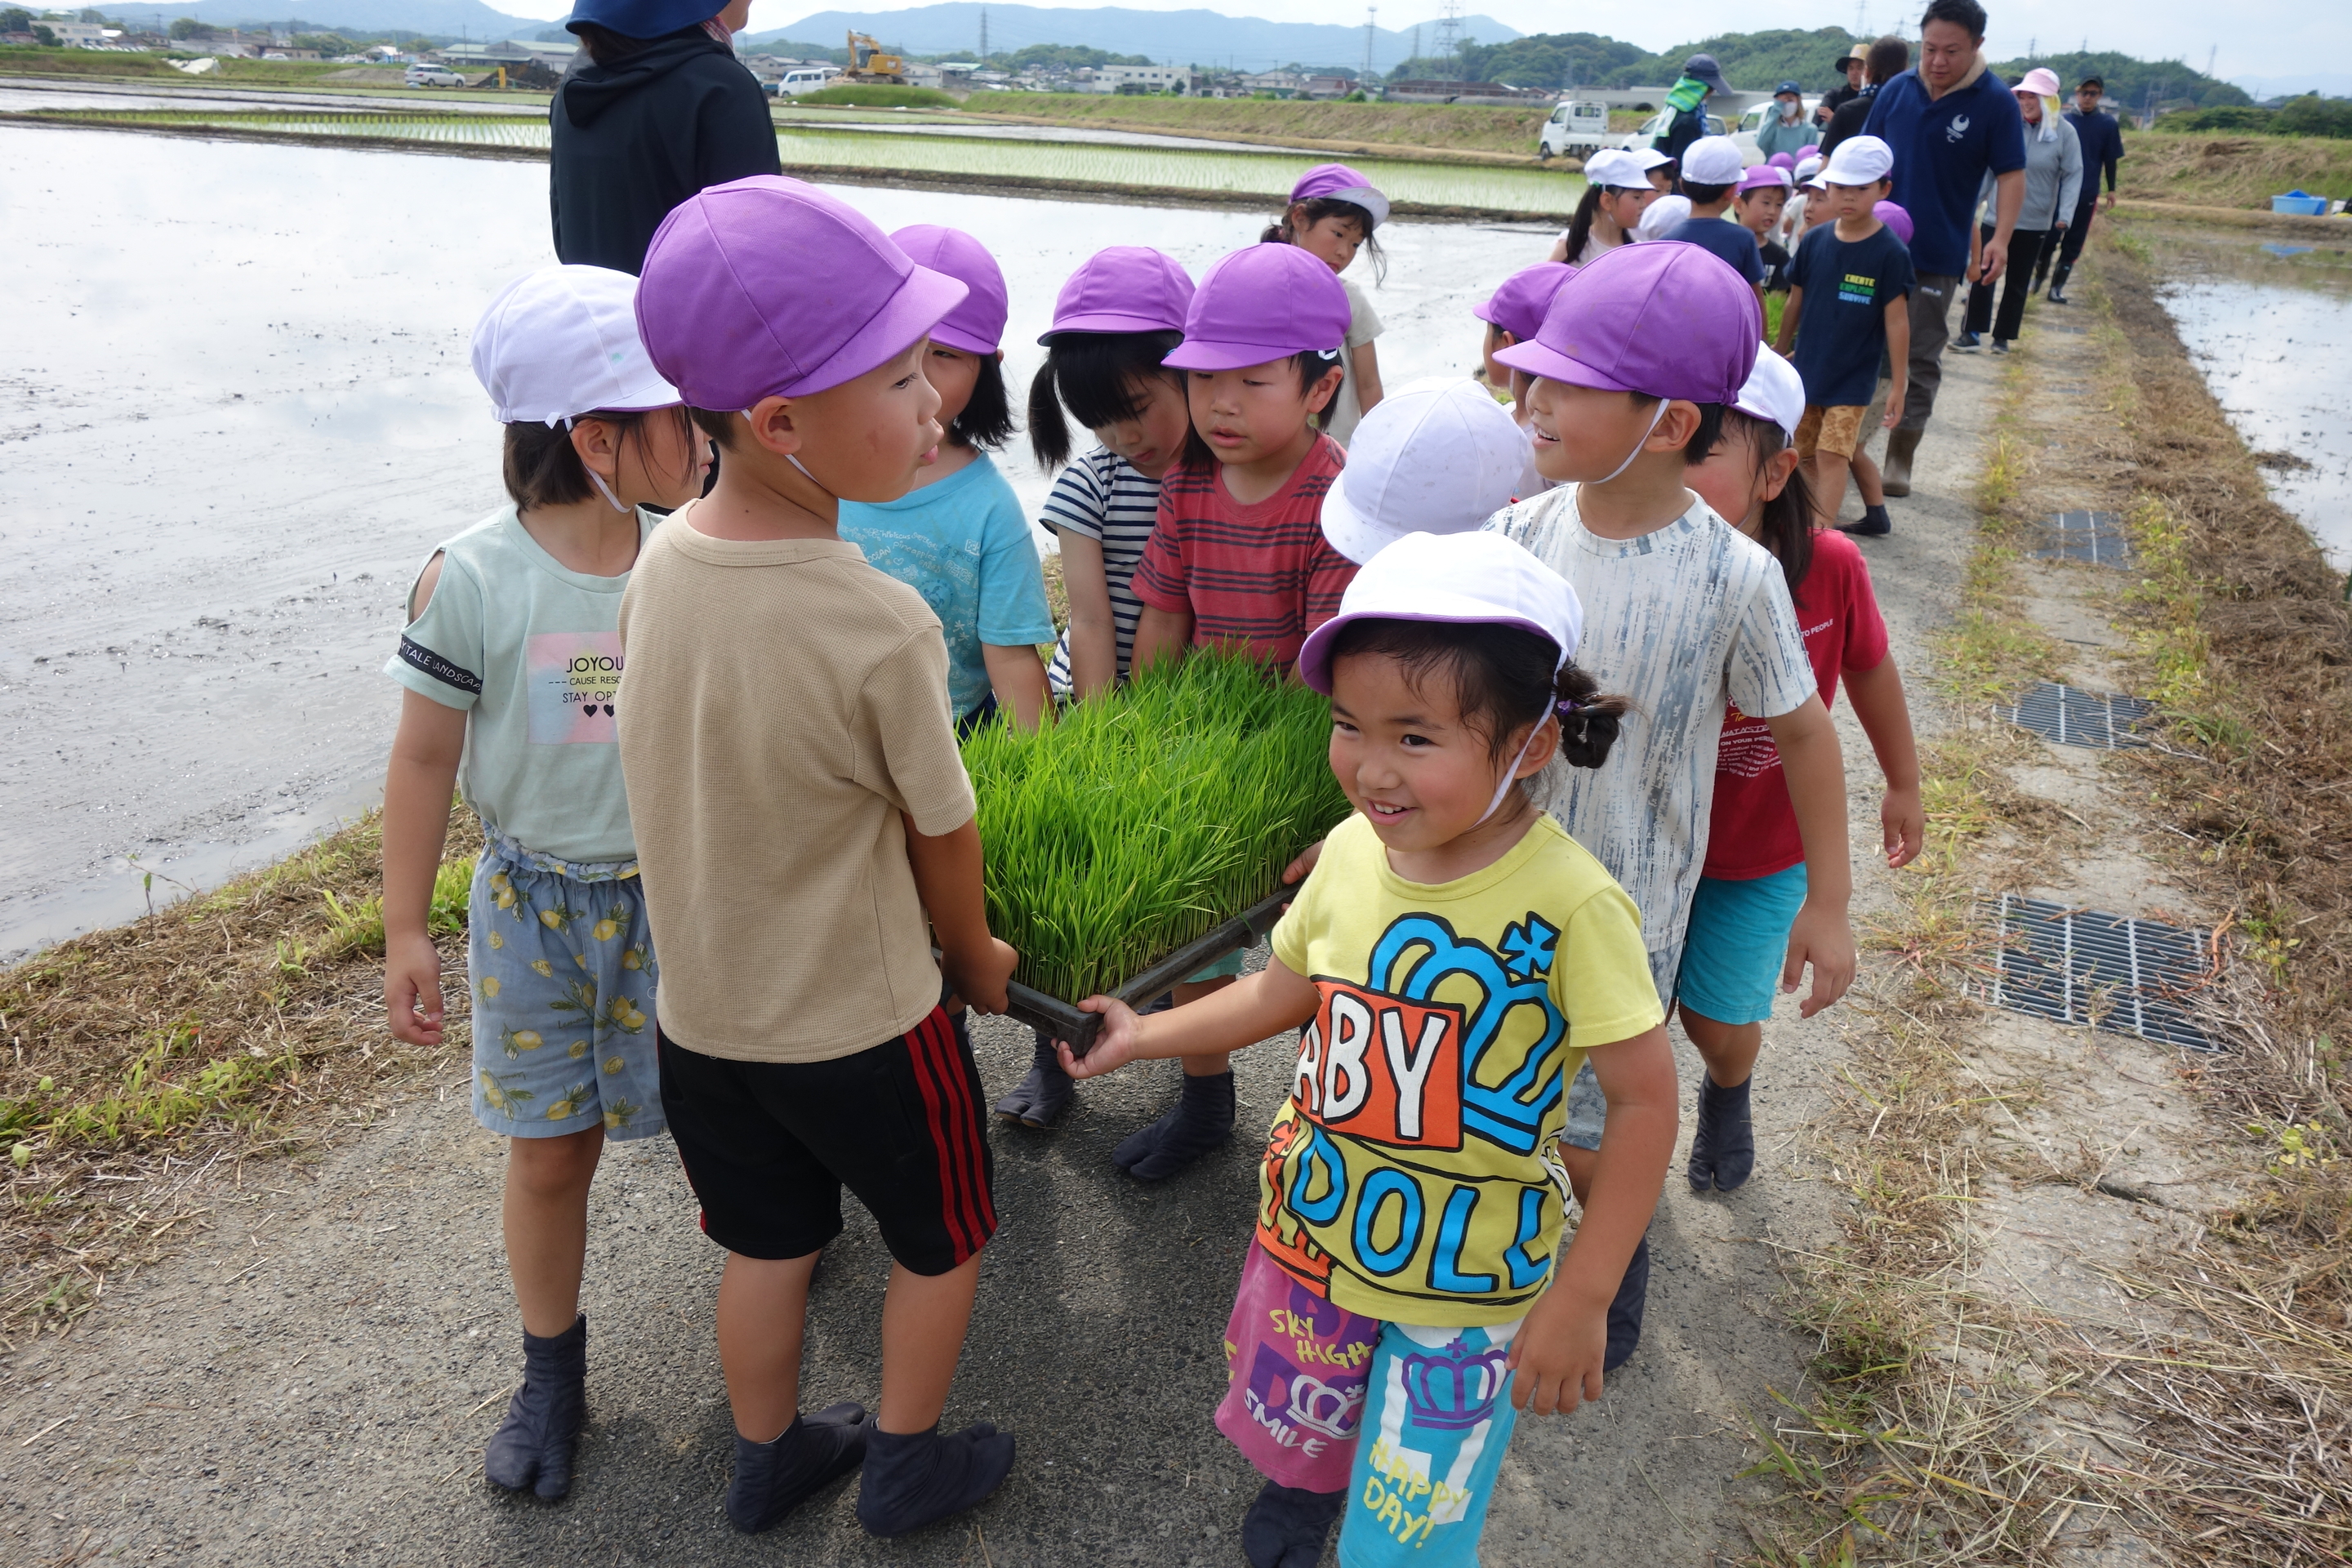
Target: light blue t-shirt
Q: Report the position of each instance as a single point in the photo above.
(531, 650)
(964, 545)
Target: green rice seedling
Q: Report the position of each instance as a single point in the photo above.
(1143, 820)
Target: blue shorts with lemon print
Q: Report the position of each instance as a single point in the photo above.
(562, 961)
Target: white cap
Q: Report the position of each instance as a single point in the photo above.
(1437, 456)
(1659, 218)
(1611, 166)
(562, 341)
(1807, 168)
(1646, 159)
(1713, 160)
(1774, 391)
(1858, 160)
(1465, 579)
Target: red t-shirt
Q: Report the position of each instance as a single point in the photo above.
(1752, 829)
(1260, 576)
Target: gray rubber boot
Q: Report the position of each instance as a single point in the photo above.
(532, 1448)
(1894, 473)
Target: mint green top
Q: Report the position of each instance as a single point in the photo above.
(531, 651)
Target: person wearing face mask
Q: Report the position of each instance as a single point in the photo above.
(1785, 129)
(2053, 177)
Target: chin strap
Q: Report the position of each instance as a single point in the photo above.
(598, 479)
(1560, 709)
(812, 479)
(1636, 452)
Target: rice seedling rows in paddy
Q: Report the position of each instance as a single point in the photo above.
(1143, 821)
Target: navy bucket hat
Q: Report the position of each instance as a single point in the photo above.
(642, 18)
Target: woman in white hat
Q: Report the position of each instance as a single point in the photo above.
(2053, 179)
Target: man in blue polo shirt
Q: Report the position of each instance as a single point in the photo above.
(1950, 120)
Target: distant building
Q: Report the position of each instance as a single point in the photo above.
(509, 52)
(1148, 78)
(1432, 91)
(1288, 84)
(77, 34)
(1329, 86)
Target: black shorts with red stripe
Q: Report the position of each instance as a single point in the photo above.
(767, 1147)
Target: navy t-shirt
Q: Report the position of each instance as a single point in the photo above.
(1942, 149)
(1719, 238)
(2103, 148)
(1843, 329)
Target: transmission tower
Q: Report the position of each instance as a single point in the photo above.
(2211, 55)
(1369, 33)
(1449, 37)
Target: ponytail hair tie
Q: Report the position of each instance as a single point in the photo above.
(1566, 706)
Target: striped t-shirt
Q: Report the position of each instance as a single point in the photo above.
(1260, 576)
(1102, 496)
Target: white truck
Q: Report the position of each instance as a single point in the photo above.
(1574, 130)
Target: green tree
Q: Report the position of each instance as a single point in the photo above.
(2134, 85)
(1065, 57)
(184, 28)
(16, 19)
(44, 37)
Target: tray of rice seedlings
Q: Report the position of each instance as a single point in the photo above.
(1144, 835)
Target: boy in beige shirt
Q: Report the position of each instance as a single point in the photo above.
(799, 804)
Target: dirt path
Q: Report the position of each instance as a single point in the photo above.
(312, 1377)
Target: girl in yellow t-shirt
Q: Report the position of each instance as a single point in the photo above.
(1451, 962)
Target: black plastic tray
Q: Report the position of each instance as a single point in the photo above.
(1063, 1020)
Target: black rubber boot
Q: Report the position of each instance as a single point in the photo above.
(1724, 1142)
(1625, 1312)
(532, 1449)
(1039, 1099)
(915, 1478)
(1287, 1526)
(774, 1477)
(2057, 295)
(1875, 523)
(1202, 1119)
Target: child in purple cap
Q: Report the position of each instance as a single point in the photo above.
(1512, 314)
(959, 538)
(1237, 557)
(791, 758)
(1332, 213)
(1118, 317)
(1762, 201)
(1638, 358)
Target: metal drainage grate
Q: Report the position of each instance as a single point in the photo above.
(2084, 967)
(2094, 536)
(2105, 720)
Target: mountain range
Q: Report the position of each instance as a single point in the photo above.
(1186, 37)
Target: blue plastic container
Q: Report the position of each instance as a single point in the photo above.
(2300, 204)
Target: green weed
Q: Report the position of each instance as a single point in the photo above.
(359, 927)
(162, 1090)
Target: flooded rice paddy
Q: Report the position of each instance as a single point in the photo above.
(1016, 153)
(2269, 326)
(236, 413)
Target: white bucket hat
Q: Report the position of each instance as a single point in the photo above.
(1436, 455)
(1713, 160)
(1464, 579)
(562, 341)
(1659, 218)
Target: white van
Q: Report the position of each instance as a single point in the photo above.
(1753, 122)
(1574, 129)
(1655, 127)
(809, 79)
(434, 75)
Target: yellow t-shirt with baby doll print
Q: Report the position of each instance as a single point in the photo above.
(1408, 1178)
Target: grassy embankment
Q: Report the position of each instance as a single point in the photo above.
(243, 1022)
(1952, 1420)
(1401, 130)
(2242, 172)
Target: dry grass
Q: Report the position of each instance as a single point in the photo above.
(148, 1060)
(1404, 128)
(2230, 171)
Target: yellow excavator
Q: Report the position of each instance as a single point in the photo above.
(868, 63)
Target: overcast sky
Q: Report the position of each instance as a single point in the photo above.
(2267, 38)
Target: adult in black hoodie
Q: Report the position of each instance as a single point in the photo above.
(658, 110)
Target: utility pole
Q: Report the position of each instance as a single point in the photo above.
(2033, 48)
(2210, 54)
(983, 34)
(1370, 34)
(1416, 40)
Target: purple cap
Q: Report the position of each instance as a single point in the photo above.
(1662, 320)
(1339, 182)
(1263, 302)
(1896, 218)
(1783, 161)
(1126, 289)
(1517, 306)
(1763, 177)
(976, 326)
(769, 287)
